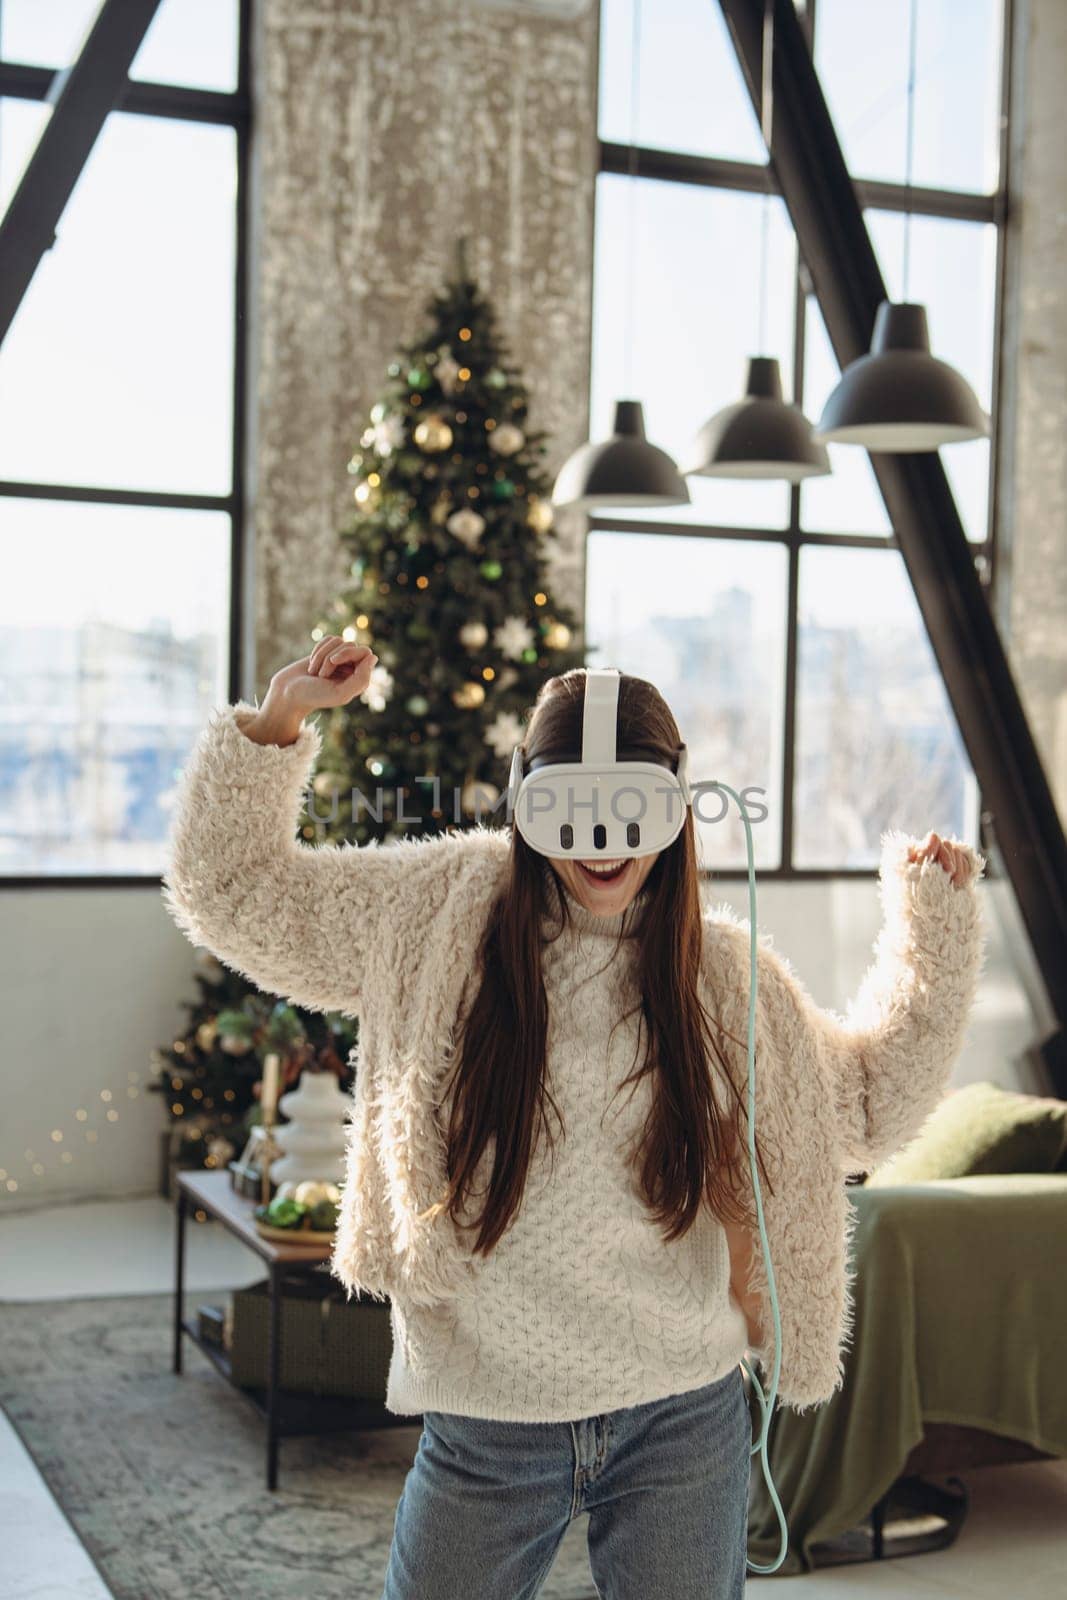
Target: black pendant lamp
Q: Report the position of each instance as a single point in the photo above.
(762, 435)
(900, 397)
(625, 469)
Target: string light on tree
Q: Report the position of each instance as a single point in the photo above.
(538, 514)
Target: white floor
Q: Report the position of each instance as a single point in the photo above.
(1013, 1542)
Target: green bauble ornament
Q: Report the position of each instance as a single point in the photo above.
(491, 570)
(418, 705)
(418, 378)
(503, 489)
(529, 655)
(496, 379)
(419, 631)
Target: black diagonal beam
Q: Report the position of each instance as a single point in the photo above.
(1023, 825)
(81, 97)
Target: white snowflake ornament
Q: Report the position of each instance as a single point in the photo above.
(376, 694)
(386, 435)
(513, 637)
(504, 733)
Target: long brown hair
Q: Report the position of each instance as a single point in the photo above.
(690, 1147)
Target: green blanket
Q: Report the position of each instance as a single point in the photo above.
(961, 1312)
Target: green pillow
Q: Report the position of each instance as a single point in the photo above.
(980, 1128)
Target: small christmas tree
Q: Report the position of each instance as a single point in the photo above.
(209, 1076)
(449, 564)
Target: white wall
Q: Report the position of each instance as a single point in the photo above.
(92, 980)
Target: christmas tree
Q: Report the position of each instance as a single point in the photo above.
(449, 565)
(449, 560)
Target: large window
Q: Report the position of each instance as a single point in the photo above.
(781, 623)
(121, 444)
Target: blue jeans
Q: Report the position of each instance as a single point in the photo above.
(486, 1504)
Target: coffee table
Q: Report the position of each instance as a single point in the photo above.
(287, 1412)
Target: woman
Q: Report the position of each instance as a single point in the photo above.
(569, 1313)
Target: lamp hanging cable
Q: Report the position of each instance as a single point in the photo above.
(635, 80)
(912, 29)
(766, 128)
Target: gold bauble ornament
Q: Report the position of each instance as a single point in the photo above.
(557, 636)
(433, 433)
(205, 1034)
(312, 1190)
(474, 635)
(328, 783)
(477, 798)
(469, 696)
(441, 508)
(506, 438)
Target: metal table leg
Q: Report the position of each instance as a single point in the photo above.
(273, 1369)
(179, 1279)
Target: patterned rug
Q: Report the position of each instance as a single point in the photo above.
(162, 1477)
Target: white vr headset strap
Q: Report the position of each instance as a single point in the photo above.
(600, 716)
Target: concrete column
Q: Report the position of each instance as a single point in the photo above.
(1031, 582)
(386, 128)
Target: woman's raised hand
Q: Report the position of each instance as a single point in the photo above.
(333, 674)
(950, 856)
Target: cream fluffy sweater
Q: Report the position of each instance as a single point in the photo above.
(582, 1307)
(585, 1308)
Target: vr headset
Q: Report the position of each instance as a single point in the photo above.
(598, 806)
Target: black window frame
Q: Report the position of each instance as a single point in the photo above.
(649, 162)
(224, 108)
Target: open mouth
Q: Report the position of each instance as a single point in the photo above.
(604, 872)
